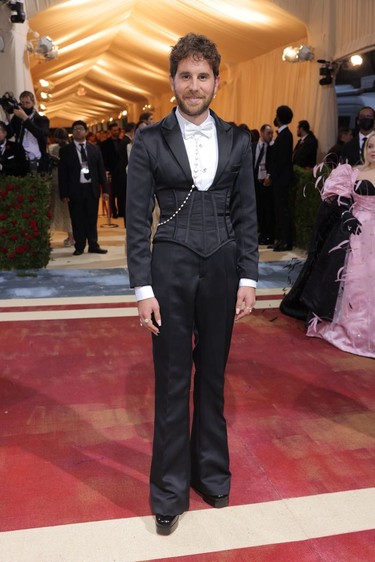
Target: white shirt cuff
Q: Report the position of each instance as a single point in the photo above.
(247, 283)
(144, 292)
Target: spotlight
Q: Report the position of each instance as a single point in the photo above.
(18, 13)
(290, 54)
(298, 54)
(356, 60)
(305, 53)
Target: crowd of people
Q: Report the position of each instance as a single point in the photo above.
(97, 167)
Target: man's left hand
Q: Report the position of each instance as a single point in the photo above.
(245, 302)
(20, 113)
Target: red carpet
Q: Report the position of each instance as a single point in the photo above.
(76, 402)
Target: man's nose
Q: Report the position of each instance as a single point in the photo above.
(194, 83)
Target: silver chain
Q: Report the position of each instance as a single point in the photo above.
(179, 209)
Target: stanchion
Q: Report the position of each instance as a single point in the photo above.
(108, 224)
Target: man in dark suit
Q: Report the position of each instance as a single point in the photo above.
(262, 158)
(201, 274)
(12, 156)
(352, 152)
(81, 175)
(31, 131)
(111, 156)
(281, 176)
(125, 148)
(306, 149)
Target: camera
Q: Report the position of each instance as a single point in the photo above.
(18, 13)
(8, 102)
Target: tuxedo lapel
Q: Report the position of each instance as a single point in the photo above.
(173, 137)
(224, 133)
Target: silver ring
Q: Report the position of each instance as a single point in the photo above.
(248, 308)
(146, 320)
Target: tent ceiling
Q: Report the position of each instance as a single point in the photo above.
(117, 52)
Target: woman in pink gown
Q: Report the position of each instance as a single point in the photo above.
(352, 328)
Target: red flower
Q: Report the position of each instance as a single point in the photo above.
(28, 236)
(4, 250)
(13, 237)
(31, 198)
(11, 256)
(3, 216)
(25, 215)
(10, 187)
(20, 198)
(49, 214)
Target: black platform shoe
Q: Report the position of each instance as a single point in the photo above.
(166, 524)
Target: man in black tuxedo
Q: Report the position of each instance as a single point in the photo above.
(200, 276)
(81, 175)
(111, 155)
(263, 189)
(281, 176)
(306, 149)
(12, 155)
(352, 152)
(31, 130)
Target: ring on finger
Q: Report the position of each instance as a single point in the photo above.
(146, 320)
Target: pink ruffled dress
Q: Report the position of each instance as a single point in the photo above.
(353, 326)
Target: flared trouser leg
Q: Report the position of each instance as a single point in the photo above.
(196, 295)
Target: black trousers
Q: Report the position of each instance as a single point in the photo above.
(284, 227)
(197, 299)
(84, 217)
(265, 211)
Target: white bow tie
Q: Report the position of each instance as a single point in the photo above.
(190, 129)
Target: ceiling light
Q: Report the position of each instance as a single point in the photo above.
(356, 60)
(43, 95)
(298, 54)
(42, 106)
(305, 53)
(44, 47)
(44, 83)
(290, 54)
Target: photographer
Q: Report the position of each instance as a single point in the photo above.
(30, 129)
(12, 156)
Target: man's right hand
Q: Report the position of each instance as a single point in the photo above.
(148, 310)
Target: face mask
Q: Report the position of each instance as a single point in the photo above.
(366, 123)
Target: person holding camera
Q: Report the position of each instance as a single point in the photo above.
(31, 131)
(12, 156)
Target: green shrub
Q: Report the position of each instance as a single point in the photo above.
(24, 222)
(305, 204)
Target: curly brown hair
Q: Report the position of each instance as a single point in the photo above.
(197, 46)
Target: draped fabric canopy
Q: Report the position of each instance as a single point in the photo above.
(114, 55)
(117, 52)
